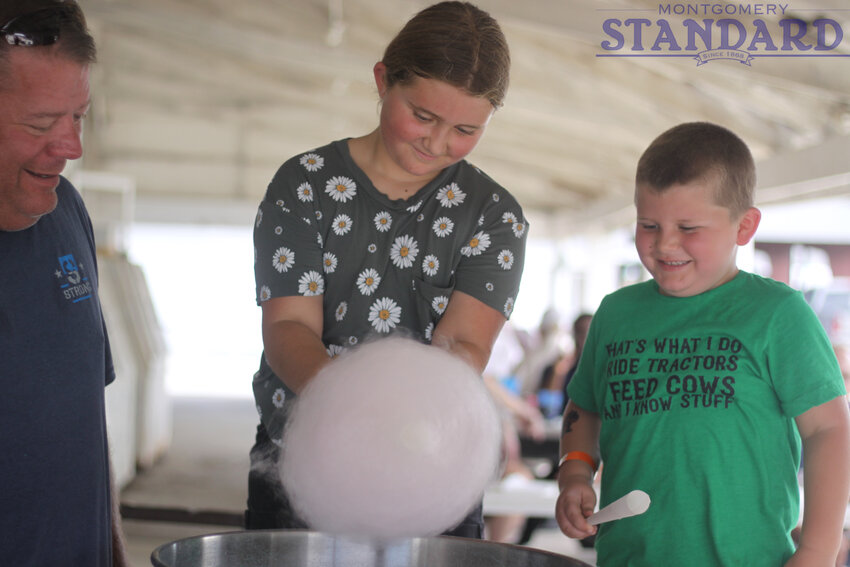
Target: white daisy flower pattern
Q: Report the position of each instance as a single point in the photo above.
(519, 229)
(429, 331)
(443, 226)
(404, 251)
(283, 259)
(341, 310)
(479, 244)
(278, 398)
(506, 259)
(265, 293)
(312, 162)
(342, 225)
(329, 262)
(384, 315)
(383, 221)
(440, 303)
(311, 283)
(341, 189)
(305, 192)
(431, 265)
(335, 350)
(509, 307)
(489, 286)
(451, 196)
(368, 281)
(509, 218)
(372, 248)
(278, 230)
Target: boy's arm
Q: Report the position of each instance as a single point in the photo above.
(580, 433)
(825, 431)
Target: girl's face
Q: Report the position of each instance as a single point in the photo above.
(687, 241)
(428, 125)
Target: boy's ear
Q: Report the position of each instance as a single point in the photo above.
(748, 225)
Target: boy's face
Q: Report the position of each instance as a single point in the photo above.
(686, 240)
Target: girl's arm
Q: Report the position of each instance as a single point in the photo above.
(292, 339)
(469, 328)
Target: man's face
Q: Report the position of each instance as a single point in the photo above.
(42, 105)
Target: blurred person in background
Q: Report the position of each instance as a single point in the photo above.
(541, 348)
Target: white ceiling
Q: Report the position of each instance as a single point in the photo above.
(199, 101)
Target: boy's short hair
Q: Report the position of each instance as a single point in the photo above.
(700, 150)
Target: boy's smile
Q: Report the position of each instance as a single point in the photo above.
(686, 240)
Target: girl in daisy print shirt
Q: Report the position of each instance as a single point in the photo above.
(391, 231)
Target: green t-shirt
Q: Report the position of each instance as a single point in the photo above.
(697, 397)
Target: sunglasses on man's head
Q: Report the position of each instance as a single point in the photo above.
(38, 28)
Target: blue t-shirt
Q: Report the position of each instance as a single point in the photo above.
(54, 364)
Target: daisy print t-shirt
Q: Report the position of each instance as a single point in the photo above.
(380, 264)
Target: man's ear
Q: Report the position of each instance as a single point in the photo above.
(748, 225)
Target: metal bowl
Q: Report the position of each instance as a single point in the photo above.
(294, 548)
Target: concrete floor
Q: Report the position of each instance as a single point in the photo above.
(204, 476)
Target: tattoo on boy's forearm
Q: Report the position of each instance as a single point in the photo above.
(569, 419)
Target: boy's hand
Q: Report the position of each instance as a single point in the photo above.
(805, 557)
(575, 503)
(579, 433)
(825, 432)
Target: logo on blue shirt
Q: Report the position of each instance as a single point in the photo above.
(75, 286)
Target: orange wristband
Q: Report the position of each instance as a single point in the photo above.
(578, 456)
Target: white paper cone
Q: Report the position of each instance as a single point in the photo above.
(634, 503)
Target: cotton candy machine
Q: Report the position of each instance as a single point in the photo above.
(292, 548)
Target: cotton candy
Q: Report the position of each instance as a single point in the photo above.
(391, 439)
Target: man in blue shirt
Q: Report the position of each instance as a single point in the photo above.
(56, 501)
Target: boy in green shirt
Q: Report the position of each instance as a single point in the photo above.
(703, 385)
